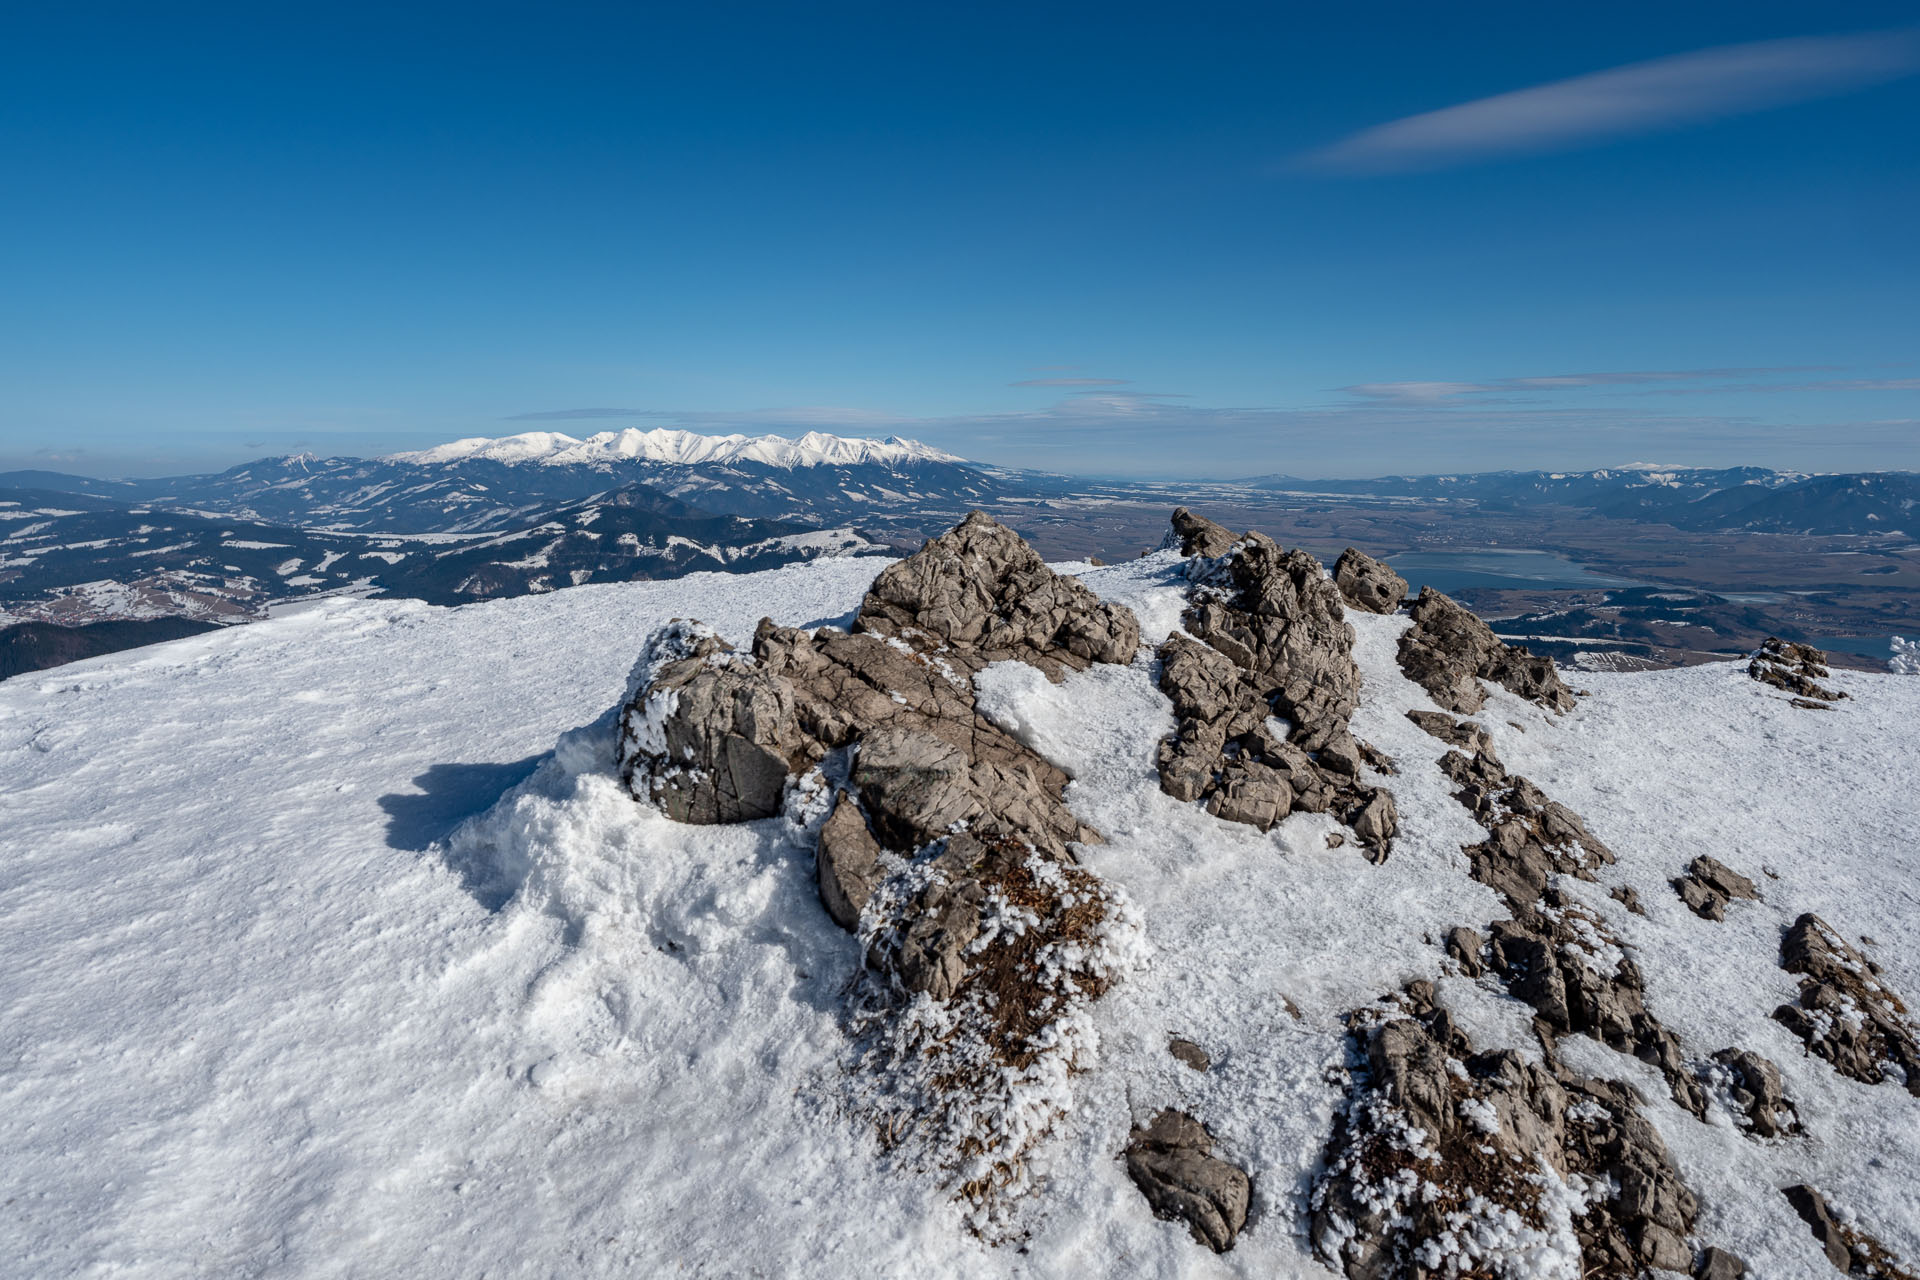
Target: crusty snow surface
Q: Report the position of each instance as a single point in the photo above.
(263, 1011)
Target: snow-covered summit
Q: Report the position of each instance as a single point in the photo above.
(574, 1036)
(664, 444)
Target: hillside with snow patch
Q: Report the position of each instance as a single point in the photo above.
(343, 944)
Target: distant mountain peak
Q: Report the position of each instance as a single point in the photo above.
(665, 444)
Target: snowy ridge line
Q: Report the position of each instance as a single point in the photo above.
(682, 448)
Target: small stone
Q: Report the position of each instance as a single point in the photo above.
(1717, 1264)
(1190, 1053)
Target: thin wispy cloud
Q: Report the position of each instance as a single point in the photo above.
(571, 415)
(1642, 97)
(1431, 393)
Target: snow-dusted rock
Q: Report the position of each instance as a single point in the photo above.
(1793, 668)
(1448, 1161)
(1710, 884)
(1845, 1012)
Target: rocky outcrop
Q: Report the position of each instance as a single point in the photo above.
(1367, 583)
(983, 590)
(1448, 1161)
(1845, 1012)
(1171, 1160)
(1194, 535)
(1530, 837)
(1793, 668)
(1555, 954)
(1710, 884)
(1847, 1246)
(942, 840)
(1448, 651)
(1750, 1086)
(1263, 689)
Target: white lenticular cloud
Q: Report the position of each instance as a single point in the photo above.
(1642, 97)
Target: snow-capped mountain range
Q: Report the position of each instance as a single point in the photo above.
(682, 448)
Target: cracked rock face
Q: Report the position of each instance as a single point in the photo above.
(1367, 583)
(1263, 689)
(1449, 1161)
(1448, 651)
(1171, 1160)
(1710, 885)
(943, 841)
(1793, 668)
(1845, 1013)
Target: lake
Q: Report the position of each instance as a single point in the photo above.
(1451, 571)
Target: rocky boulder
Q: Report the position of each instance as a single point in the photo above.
(982, 588)
(1750, 1085)
(1171, 1160)
(1845, 1012)
(1710, 885)
(1448, 651)
(1464, 734)
(1367, 583)
(1194, 535)
(1847, 1245)
(1793, 668)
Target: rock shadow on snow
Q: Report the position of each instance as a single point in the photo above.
(448, 795)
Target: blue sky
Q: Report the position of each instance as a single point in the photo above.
(1197, 239)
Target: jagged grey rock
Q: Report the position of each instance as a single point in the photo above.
(1263, 689)
(1710, 884)
(1848, 1246)
(1794, 668)
(1171, 1160)
(1556, 954)
(1196, 535)
(942, 814)
(982, 587)
(1448, 651)
(1463, 947)
(1812, 1208)
(1367, 583)
(1845, 1012)
(1383, 1201)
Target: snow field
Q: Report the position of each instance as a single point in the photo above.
(256, 1021)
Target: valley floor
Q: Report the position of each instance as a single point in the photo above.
(259, 1014)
